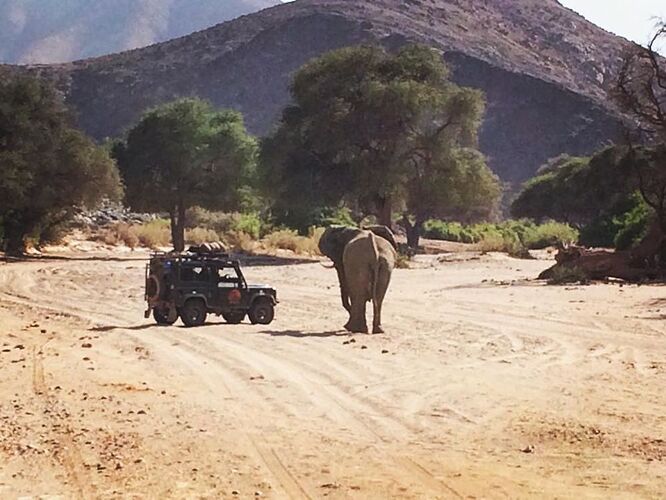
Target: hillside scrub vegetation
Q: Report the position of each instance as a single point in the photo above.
(49, 168)
(378, 132)
(184, 154)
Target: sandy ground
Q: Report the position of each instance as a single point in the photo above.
(486, 385)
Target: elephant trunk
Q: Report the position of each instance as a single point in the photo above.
(344, 294)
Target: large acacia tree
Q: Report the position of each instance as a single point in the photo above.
(47, 167)
(382, 132)
(182, 154)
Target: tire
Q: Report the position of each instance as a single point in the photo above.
(262, 312)
(234, 317)
(162, 317)
(153, 288)
(193, 313)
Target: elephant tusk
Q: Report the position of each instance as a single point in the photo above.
(332, 266)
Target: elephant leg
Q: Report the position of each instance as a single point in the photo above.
(383, 279)
(357, 323)
(344, 294)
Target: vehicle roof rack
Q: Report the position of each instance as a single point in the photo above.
(193, 256)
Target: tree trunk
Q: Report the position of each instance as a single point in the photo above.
(14, 243)
(177, 214)
(14, 235)
(413, 231)
(385, 214)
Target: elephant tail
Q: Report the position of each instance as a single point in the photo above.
(374, 272)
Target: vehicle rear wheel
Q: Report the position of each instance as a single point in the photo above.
(193, 313)
(163, 316)
(262, 312)
(233, 317)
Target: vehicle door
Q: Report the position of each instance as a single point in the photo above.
(228, 288)
(195, 281)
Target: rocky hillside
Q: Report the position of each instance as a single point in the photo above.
(50, 31)
(546, 71)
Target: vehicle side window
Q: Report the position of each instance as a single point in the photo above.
(194, 273)
(227, 276)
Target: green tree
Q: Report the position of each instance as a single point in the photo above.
(377, 130)
(48, 167)
(576, 190)
(186, 154)
(603, 196)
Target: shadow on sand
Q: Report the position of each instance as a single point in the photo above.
(110, 328)
(299, 334)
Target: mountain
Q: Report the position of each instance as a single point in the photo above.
(545, 70)
(51, 31)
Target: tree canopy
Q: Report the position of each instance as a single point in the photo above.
(48, 167)
(600, 195)
(381, 132)
(183, 154)
(576, 190)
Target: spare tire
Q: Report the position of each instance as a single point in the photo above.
(153, 287)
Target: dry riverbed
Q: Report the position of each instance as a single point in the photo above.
(486, 384)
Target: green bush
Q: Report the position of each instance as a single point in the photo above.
(621, 228)
(513, 236)
(549, 234)
(333, 216)
(633, 226)
(440, 230)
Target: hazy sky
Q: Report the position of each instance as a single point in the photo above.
(632, 19)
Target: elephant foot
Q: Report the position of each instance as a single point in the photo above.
(377, 329)
(356, 328)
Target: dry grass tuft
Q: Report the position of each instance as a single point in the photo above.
(199, 235)
(154, 234)
(287, 239)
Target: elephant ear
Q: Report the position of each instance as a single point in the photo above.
(384, 232)
(333, 242)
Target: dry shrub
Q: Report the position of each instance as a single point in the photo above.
(199, 235)
(402, 262)
(503, 242)
(120, 234)
(239, 241)
(288, 239)
(154, 234)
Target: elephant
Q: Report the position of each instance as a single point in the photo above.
(364, 260)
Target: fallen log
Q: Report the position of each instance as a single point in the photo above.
(596, 265)
(645, 262)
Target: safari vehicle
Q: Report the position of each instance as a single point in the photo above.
(196, 283)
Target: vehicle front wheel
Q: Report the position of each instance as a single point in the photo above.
(163, 316)
(193, 313)
(233, 318)
(262, 312)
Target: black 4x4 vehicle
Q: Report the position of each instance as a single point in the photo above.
(193, 284)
